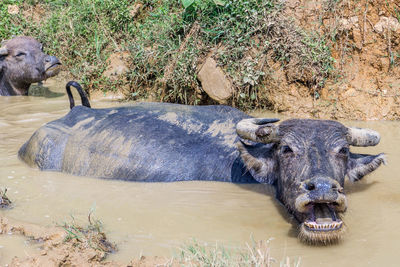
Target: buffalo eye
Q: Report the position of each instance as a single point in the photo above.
(286, 150)
(20, 54)
(344, 151)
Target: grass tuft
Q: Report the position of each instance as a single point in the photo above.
(5, 202)
(90, 235)
(258, 254)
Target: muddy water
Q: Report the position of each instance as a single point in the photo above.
(156, 218)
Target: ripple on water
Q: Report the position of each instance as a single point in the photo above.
(156, 218)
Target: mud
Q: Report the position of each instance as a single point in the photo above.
(54, 248)
(366, 51)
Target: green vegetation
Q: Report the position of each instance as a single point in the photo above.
(239, 35)
(9, 24)
(90, 235)
(258, 255)
(168, 40)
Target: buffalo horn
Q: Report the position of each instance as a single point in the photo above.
(258, 130)
(362, 137)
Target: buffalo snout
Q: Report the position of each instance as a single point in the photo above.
(52, 65)
(322, 188)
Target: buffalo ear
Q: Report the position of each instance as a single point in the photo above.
(259, 161)
(360, 165)
(3, 54)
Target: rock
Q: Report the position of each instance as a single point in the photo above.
(214, 81)
(385, 23)
(117, 65)
(348, 24)
(13, 9)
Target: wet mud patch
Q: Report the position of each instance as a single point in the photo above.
(59, 246)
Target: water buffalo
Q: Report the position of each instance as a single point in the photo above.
(23, 62)
(306, 160)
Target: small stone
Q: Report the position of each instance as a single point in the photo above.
(117, 65)
(385, 23)
(13, 9)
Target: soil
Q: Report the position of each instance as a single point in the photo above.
(367, 83)
(365, 43)
(55, 249)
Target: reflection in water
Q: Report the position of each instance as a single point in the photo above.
(156, 218)
(43, 91)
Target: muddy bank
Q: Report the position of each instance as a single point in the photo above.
(322, 59)
(358, 80)
(57, 248)
(365, 43)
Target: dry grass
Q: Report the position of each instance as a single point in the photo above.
(5, 202)
(90, 235)
(258, 254)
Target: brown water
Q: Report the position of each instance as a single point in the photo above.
(157, 218)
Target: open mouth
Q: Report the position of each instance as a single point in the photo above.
(322, 224)
(322, 217)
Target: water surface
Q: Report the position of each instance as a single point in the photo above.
(157, 218)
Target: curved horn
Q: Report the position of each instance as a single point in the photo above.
(3, 51)
(362, 137)
(258, 130)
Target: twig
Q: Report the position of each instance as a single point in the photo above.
(370, 23)
(389, 43)
(364, 24)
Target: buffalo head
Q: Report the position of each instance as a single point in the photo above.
(308, 161)
(23, 62)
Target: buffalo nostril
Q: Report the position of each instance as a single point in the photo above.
(310, 186)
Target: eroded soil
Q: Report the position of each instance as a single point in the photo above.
(57, 249)
(365, 41)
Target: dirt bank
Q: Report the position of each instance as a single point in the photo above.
(323, 59)
(365, 43)
(66, 246)
(57, 249)
(361, 81)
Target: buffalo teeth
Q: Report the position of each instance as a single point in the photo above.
(323, 226)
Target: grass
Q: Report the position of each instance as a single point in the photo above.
(397, 14)
(193, 253)
(90, 235)
(258, 254)
(9, 24)
(168, 40)
(5, 202)
(238, 34)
